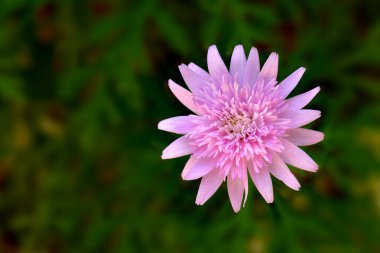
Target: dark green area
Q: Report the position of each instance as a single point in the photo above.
(83, 85)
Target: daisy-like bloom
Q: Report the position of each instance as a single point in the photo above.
(242, 124)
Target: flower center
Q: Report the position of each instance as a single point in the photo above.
(240, 126)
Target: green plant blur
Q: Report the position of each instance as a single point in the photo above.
(83, 85)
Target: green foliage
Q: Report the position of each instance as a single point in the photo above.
(83, 85)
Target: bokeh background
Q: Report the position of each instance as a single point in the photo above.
(83, 85)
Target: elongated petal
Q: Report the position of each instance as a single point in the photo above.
(252, 68)
(178, 125)
(304, 137)
(178, 148)
(184, 96)
(209, 184)
(201, 72)
(237, 65)
(270, 68)
(301, 117)
(216, 66)
(300, 101)
(189, 165)
(245, 184)
(279, 169)
(289, 83)
(296, 157)
(194, 81)
(262, 181)
(196, 168)
(235, 191)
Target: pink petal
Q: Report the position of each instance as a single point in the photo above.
(183, 95)
(189, 164)
(252, 68)
(201, 72)
(209, 184)
(245, 183)
(262, 181)
(304, 137)
(289, 83)
(215, 64)
(194, 81)
(301, 117)
(298, 102)
(279, 169)
(296, 157)
(235, 191)
(196, 168)
(237, 65)
(270, 68)
(178, 125)
(178, 148)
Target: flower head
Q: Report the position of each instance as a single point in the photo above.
(242, 125)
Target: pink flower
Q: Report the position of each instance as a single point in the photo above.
(242, 124)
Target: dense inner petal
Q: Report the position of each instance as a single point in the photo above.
(240, 123)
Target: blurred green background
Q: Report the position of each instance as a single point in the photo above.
(83, 85)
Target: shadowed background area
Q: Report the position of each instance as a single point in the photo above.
(83, 85)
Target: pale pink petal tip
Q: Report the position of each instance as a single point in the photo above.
(252, 68)
(301, 118)
(238, 61)
(197, 168)
(270, 68)
(194, 81)
(299, 101)
(235, 191)
(304, 137)
(183, 95)
(289, 83)
(201, 72)
(215, 63)
(178, 125)
(263, 182)
(279, 169)
(178, 148)
(296, 157)
(209, 184)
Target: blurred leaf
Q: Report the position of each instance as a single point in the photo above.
(11, 88)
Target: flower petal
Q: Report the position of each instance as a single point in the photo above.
(262, 181)
(235, 191)
(301, 117)
(216, 66)
(194, 81)
(289, 83)
(279, 169)
(178, 125)
(237, 65)
(177, 148)
(270, 68)
(197, 167)
(201, 72)
(296, 157)
(304, 137)
(245, 184)
(184, 96)
(252, 68)
(209, 184)
(300, 101)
